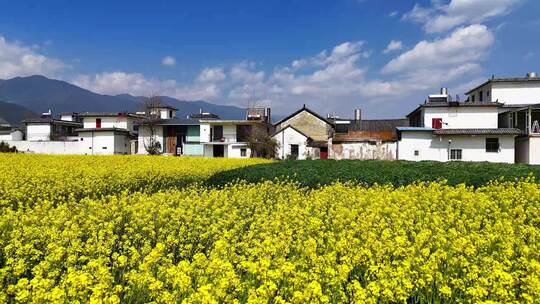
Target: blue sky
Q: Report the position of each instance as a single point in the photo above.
(382, 56)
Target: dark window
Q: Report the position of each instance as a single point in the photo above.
(104, 148)
(342, 128)
(492, 145)
(170, 113)
(98, 123)
(480, 96)
(242, 133)
(294, 151)
(218, 133)
(243, 152)
(456, 154)
(416, 153)
(487, 93)
(473, 97)
(436, 123)
(82, 139)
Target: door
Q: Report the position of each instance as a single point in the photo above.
(218, 133)
(171, 141)
(324, 153)
(294, 151)
(98, 123)
(180, 140)
(219, 150)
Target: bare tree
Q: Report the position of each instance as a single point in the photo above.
(150, 107)
(261, 143)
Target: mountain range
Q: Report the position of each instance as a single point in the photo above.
(26, 97)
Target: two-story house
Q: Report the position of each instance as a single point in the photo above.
(520, 108)
(201, 134)
(445, 130)
(107, 133)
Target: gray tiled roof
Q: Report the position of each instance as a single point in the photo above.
(499, 131)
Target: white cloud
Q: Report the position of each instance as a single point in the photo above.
(463, 45)
(137, 84)
(393, 14)
(20, 60)
(211, 75)
(168, 61)
(438, 17)
(334, 80)
(394, 45)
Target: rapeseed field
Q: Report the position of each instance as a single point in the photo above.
(152, 231)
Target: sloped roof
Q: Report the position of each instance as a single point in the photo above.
(376, 125)
(289, 126)
(304, 108)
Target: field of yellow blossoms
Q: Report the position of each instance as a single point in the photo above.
(155, 233)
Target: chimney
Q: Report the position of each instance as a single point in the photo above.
(531, 75)
(444, 91)
(357, 114)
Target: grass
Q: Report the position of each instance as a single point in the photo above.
(314, 173)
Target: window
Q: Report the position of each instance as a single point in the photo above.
(243, 152)
(342, 128)
(492, 145)
(436, 123)
(455, 154)
(170, 113)
(98, 123)
(104, 148)
(473, 97)
(487, 93)
(82, 139)
(416, 153)
(480, 96)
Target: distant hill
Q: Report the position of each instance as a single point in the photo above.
(14, 113)
(39, 94)
(190, 107)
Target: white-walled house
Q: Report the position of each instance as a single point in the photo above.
(202, 134)
(107, 133)
(443, 130)
(226, 138)
(520, 100)
(292, 143)
(50, 129)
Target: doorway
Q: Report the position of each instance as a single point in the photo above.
(324, 153)
(219, 151)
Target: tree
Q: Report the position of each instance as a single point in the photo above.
(151, 117)
(261, 143)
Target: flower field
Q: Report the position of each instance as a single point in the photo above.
(27, 179)
(268, 242)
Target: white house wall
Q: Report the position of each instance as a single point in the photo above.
(235, 151)
(229, 132)
(97, 143)
(37, 132)
(122, 143)
(288, 137)
(425, 143)
(516, 93)
(462, 117)
(436, 148)
(205, 133)
(363, 150)
(144, 137)
(109, 122)
(46, 147)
